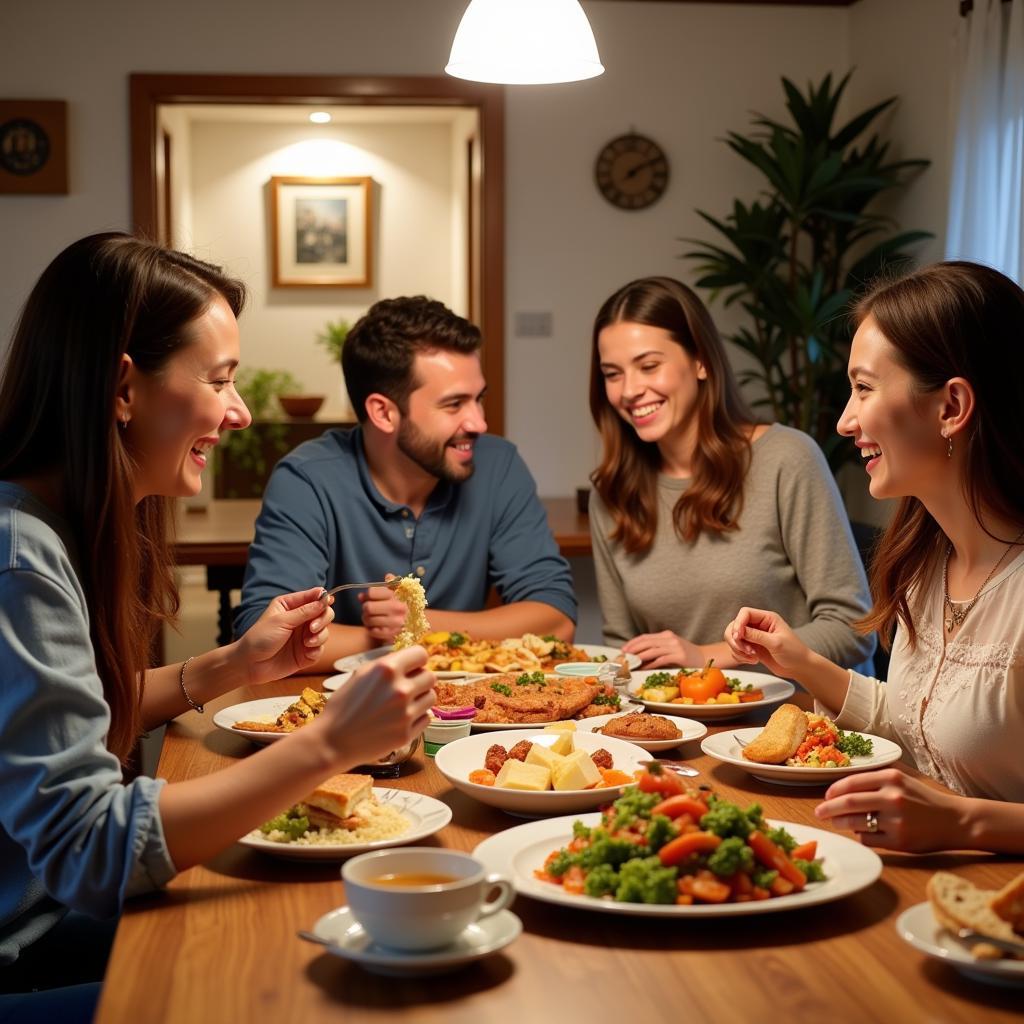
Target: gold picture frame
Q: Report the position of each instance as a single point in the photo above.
(321, 232)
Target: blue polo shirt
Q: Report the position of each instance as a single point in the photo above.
(324, 522)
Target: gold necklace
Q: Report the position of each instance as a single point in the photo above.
(958, 612)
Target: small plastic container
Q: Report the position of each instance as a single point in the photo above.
(440, 732)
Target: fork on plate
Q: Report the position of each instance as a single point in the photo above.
(390, 584)
(1007, 945)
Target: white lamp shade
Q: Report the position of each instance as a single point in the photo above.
(524, 42)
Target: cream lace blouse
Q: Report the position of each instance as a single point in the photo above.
(957, 709)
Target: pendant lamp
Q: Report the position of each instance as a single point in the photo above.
(524, 42)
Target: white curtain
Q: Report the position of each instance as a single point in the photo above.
(986, 209)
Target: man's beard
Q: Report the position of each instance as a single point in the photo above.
(430, 455)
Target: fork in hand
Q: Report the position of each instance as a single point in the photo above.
(390, 584)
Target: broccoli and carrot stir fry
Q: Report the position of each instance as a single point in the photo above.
(662, 842)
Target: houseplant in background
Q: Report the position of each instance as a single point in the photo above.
(332, 340)
(795, 257)
(242, 455)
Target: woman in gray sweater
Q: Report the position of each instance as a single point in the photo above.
(698, 504)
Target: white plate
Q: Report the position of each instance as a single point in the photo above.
(254, 711)
(520, 851)
(425, 815)
(350, 942)
(725, 747)
(917, 925)
(352, 661)
(775, 692)
(456, 760)
(690, 730)
(334, 682)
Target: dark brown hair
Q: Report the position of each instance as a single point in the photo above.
(102, 297)
(379, 351)
(954, 319)
(627, 477)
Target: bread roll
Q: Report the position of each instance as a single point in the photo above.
(781, 737)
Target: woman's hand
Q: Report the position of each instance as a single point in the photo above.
(383, 614)
(760, 636)
(287, 637)
(909, 815)
(381, 708)
(665, 650)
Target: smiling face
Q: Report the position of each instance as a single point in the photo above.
(444, 415)
(895, 426)
(176, 416)
(651, 381)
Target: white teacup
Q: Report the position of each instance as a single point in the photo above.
(416, 898)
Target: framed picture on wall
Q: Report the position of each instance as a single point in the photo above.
(321, 230)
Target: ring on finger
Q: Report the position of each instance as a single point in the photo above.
(871, 822)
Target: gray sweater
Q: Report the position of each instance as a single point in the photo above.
(793, 554)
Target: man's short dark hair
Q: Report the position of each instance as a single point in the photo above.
(379, 351)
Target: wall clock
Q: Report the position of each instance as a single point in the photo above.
(631, 172)
(33, 147)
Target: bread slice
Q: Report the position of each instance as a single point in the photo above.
(332, 803)
(781, 737)
(1008, 904)
(958, 904)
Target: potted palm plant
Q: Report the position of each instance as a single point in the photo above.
(794, 257)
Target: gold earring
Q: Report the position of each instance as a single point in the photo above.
(949, 444)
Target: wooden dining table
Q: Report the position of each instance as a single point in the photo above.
(220, 943)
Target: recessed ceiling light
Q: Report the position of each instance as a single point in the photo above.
(319, 117)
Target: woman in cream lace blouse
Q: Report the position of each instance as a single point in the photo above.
(937, 377)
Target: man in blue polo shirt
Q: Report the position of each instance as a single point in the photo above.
(416, 487)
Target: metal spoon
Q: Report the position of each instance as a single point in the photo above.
(313, 937)
(679, 769)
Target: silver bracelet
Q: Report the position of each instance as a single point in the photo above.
(181, 682)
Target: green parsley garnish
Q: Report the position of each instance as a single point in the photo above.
(531, 677)
(853, 744)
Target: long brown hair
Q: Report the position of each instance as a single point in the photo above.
(954, 319)
(102, 297)
(627, 477)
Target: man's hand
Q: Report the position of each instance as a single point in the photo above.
(383, 614)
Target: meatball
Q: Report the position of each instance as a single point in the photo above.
(520, 750)
(495, 757)
(602, 758)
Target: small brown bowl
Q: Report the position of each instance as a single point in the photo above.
(301, 407)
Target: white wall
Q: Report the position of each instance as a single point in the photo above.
(683, 73)
(412, 169)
